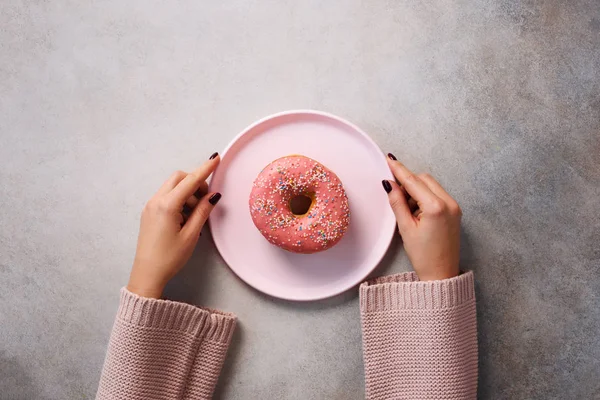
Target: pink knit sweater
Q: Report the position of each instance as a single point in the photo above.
(419, 342)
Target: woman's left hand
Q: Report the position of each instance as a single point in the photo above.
(170, 227)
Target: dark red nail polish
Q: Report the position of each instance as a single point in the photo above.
(214, 155)
(392, 157)
(214, 199)
(387, 186)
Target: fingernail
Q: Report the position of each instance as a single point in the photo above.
(387, 186)
(214, 199)
(392, 157)
(198, 194)
(214, 155)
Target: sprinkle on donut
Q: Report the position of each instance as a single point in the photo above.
(327, 218)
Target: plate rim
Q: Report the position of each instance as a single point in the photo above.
(245, 131)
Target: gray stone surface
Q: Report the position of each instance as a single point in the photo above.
(100, 101)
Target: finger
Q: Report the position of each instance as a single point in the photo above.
(416, 188)
(438, 190)
(188, 186)
(200, 214)
(170, 183)
(184, 215)
(397, 198)
(195, 199)
(417, 214)
(202, 190)
(412, 204)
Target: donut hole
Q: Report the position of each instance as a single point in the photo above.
(299, 205)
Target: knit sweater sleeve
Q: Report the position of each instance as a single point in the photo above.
(161, 349)
(419, 338)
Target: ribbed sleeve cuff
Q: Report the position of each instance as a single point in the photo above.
(405, 291)
(165, 314)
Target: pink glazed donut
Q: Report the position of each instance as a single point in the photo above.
(299, 205)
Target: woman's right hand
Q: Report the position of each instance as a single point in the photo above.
(428, 220)
(170, 227)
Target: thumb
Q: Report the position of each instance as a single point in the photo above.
(198, 218)
(399, 204)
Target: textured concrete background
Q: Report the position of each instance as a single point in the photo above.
(101, 101)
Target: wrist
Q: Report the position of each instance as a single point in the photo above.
(438, 274)
(145, 281)
(149, 291)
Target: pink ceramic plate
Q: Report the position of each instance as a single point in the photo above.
(341, 147)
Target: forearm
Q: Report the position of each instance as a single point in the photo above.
(419, 338)
(161, 349)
